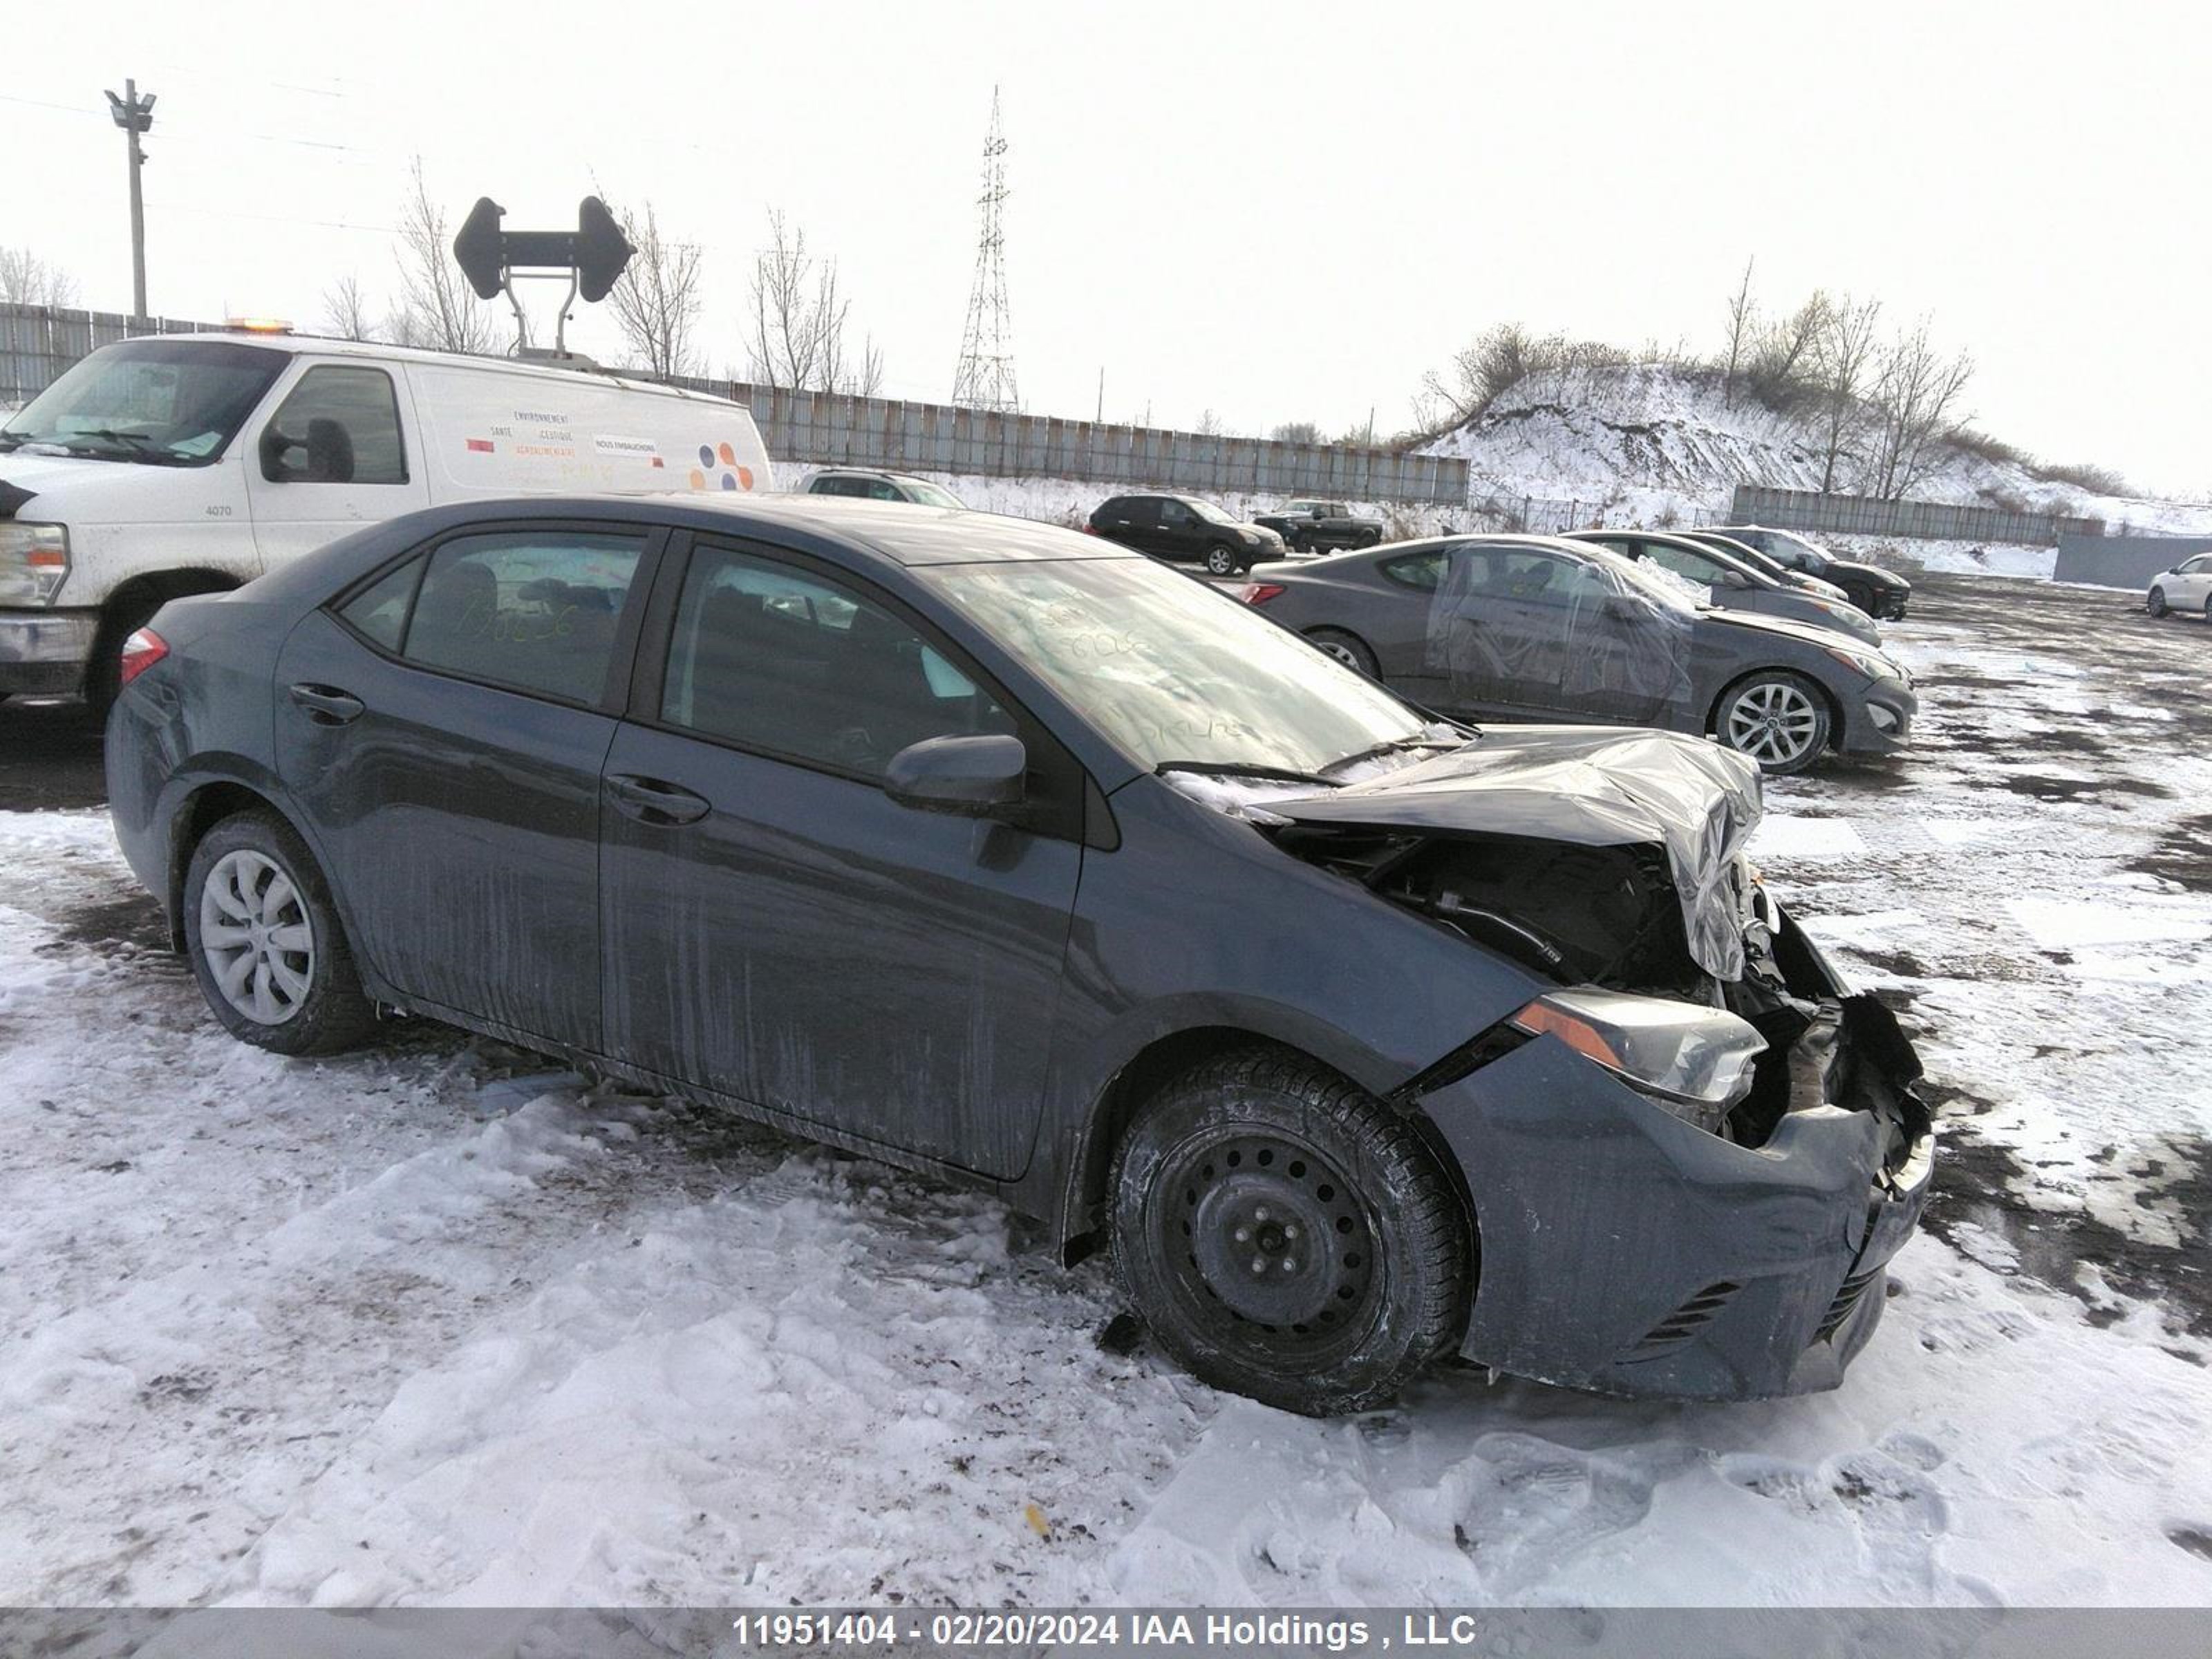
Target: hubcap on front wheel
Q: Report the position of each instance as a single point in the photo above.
(1773, 723)
(256, 937)
(1267, 1242)
(1343, 653)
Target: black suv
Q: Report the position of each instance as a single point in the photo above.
(1183, 527)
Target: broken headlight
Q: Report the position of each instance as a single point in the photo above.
(1691, 1060)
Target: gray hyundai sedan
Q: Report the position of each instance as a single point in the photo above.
(989, 849)
(1544, 628)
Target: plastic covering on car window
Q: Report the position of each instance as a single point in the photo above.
(1525, 627)
(1591, 787)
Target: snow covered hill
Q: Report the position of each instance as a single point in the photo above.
(1638, 442)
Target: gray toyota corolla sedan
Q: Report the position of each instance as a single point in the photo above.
(990, 849)
(1542, 628)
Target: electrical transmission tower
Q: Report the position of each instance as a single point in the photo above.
(984, 379)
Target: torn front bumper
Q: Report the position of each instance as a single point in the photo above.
(1624, 1251)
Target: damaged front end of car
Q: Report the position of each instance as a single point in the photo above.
(1689, 1163)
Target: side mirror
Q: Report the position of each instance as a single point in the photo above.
(970, 777)
(1735, 579)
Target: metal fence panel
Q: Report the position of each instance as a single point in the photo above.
(808, 429)
(2123, 561)
(1864, 515)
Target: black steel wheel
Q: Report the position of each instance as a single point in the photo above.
(1288, 1236)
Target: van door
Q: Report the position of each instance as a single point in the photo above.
(334, 457)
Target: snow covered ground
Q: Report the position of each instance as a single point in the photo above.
(426, 1324)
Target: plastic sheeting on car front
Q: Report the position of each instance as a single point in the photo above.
(1596, 786)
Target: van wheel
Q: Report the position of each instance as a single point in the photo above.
(1287, 1235)
(265, 944)
(103, 675)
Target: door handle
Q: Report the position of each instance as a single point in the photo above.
(651, 801)
(326, 705)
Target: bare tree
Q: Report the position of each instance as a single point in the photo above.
(1209, 425)
(1777, 375)
(656, 300)
(28, 280)
(1841, 362)
(436, 308)
(1503, 356)
(798, 321)
(345, 311)
(1296, 431)
(1917, 392)
(1743, 318)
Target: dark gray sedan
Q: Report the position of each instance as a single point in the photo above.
(1542, 628)
(989, 849)
(1729, 583)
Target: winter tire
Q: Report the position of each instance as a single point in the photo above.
(1346, 649)
(2156, 604)
(1781, 720)
(1287, 1235)
(265, 944)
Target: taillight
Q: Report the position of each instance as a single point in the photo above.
(1089, 528)
(140, 653)
(1260, 592)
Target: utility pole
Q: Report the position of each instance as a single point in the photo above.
(135, 115)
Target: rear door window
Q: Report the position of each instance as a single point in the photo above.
(536, 611)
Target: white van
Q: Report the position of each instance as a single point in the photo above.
(190, 462)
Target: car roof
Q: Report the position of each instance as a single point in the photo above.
(892, 532)
(315, 345)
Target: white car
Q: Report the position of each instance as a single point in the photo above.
(2187, 587)
(188, 464)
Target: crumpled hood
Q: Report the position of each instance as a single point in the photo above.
(1590, 785)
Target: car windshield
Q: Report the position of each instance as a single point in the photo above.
(1676, 593)
(1174, 671)
(928, 494)
(1797, 551)
(1209, 512)
(169, 403)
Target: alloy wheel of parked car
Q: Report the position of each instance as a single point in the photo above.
(1221, 561)
(2156, 604)
(1347, 649)
(1287, 1235)
(1780, 720)
(265, 943)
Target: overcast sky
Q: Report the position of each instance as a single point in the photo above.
(1275, 212)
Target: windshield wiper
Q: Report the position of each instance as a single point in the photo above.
(1246, 769)
(1389, 748)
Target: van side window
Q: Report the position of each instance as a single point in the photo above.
(339, 425)
(534, 609)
